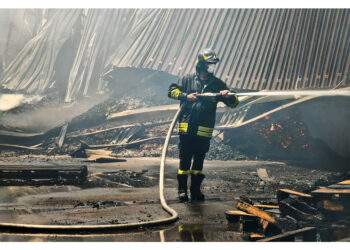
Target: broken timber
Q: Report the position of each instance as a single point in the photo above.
(255, 236)
(236, 216)
(299, 210)
(262, 206)
(42, 175)
(268, 223)
(285, 193)
(255, 211)
(346, 182)
(325, 193)
(308, 233)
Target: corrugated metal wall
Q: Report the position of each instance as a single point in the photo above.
(259, 48)
(33, 69)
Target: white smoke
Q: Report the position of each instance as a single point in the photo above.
(11, 101)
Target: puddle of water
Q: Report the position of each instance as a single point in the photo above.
(203, 233)
(178, 233)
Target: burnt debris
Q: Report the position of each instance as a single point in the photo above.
(42, 175)
(323, 214)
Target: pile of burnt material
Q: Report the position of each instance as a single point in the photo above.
(42, 175)
(323, 214)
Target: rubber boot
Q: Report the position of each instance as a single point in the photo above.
(182, 190)
(196, 181)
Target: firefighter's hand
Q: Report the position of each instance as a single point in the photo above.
(224, 92)
(192, 97)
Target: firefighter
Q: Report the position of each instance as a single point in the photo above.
(197, 119)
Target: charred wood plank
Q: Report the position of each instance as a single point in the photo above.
(255, 237)
(331, 191)
(261, 219)
(339, 186)
(345, 182)
(285, 193)
(268, 222)
(255, 211)
(42, 182)
(329, 194)
(262, 206)
(235, 216)
(7, 174)
(299, 210)
(308, 233)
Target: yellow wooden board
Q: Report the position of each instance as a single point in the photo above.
(295, 192)
(236, 212)
(331, 191)
(344, 182)
(255, 211)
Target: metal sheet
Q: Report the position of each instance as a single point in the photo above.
(259, 48)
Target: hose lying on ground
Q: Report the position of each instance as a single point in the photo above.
(172, 212)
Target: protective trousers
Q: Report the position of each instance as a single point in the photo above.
(191, 147)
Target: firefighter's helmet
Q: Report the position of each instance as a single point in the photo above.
(207, 56)
(204, 58)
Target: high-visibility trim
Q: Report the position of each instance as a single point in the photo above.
(205, 131)
(183, 124)
(196, 172)
(175, 93)
(182, 127)
(184, 172)
(208, 135)
(202, 131)
(207, 57)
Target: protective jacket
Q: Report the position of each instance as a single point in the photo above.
(197, 118)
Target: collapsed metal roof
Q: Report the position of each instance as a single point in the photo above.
(258, 48)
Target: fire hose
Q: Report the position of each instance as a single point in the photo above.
(331, 92)
(172, 212)
(63, 228)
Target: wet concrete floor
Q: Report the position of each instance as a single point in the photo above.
(127, 192)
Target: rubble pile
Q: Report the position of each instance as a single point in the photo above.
(321, 213)
(281, 137)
